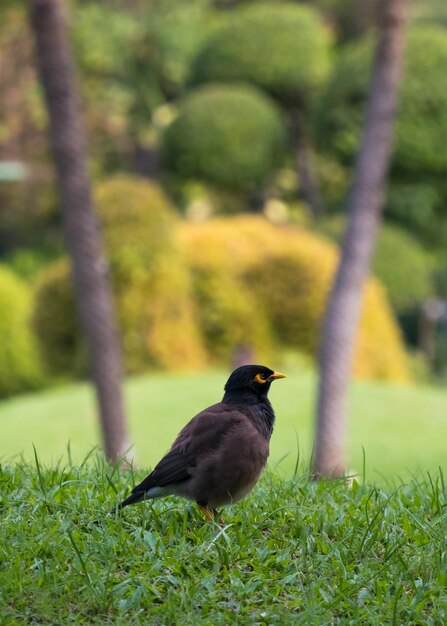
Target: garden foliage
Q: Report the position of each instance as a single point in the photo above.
(151, 285)
(286, 272)
(20, 368)
(418, 192)
(228, 135)
(281, 48)
(201, 291)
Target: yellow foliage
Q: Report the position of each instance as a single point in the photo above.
(55, 322)
(228, 314)
(286, 272)
(136, 217)
(19, 363)
(380, 352)
(172, 333)
(151, 284)
(151, 281)
(189, 293)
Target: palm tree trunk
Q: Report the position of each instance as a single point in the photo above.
(365, 205)
(89, 268)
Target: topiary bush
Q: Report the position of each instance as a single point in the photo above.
(229, 316)
(281, 48)
(150, 279)
(20, 368)
(136, 218)
(227, 135)
(217, 287)
(156, 314)
(286, 273)
(421, 127)
(55, 322)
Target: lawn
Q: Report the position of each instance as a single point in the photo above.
(364, 552)
(403, 429)
(293, 552)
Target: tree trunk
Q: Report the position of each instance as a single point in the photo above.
(147, 161)
(431, 314)
(89, 268)
(364, 213)
(305, 165)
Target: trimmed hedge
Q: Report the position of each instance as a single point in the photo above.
(55, 321)
(228, 313)
(217, 287)
(151, 284)
(231, 136)
(421, 126)
(286, 272)
(19, 362)
(281, 48)
(136, 217)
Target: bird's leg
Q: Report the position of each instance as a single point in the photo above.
(208, 513)
(221, 519)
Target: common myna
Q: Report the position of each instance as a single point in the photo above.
(220, 454)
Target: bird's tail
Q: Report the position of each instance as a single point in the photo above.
(134, 497)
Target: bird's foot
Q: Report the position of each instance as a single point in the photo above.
(211, 514)
(221, 521)
(208, 513)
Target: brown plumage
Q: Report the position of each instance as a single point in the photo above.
(218, 457)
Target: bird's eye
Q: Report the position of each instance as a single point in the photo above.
(260, 378)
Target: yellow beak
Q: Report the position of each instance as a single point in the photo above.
(276, 375)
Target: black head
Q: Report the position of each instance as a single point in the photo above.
(257, 378)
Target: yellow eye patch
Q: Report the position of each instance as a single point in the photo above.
(259, 379)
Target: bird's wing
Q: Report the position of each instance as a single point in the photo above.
(199, 437)
(173, 468)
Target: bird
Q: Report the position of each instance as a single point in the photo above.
(218, 457)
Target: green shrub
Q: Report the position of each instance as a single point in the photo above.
(151, 284)
(348, 18)
(237, 283)
(421, 128)
(19, 364)
(400, 262)
(281, 48)
(229, 136)
(420, 207)
(171, 36)
(55, 321)
(28, 262)
(417, 196)
(101, 37)
(136, 217)
(404, 268)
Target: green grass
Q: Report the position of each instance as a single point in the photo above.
(402, 429)
(293, 552)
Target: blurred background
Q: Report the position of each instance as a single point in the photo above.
(222, 137)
